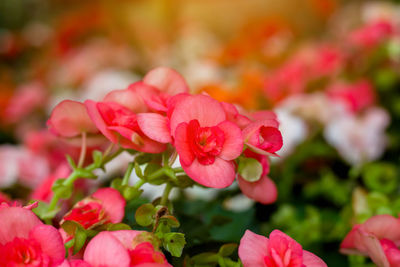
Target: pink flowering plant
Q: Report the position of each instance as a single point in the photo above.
(171, 138)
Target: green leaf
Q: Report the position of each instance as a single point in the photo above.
(71, 162)
(145, 214)
(42, 211)
(138, 170)
(227, 249)
(170, 220)
(80, 239)
(174, 243)
(250, 169)
(70, 227)
(129, 192)
(118, 226)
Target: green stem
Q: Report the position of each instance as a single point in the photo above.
(69, 181)
(164, 198)
(125, 180)
(139, 183)
(83, 151)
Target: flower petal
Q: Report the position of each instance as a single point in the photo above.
(252, 249)
(70, 118)
(166, 80)
(206, 110)
(233, 143)
(311, 260)
(105, 250)
(126, 237)
(182, 145)
(154, 126)
(112, 202)
(50, 242)
(263, 190)
(16, 222)
(220, 174)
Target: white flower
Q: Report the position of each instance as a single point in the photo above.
(359, 139)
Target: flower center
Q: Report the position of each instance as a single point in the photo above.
(205, 142)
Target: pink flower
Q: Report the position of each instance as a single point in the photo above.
(355, 96)
(279, 250)
(116, 118)
(378, 238)
(106, 205)
(263, 190)
(373, 34)
(26, 241)
(28, 98)
(207, 143)
(69, 119)
(120, 249)
(168, 82)
(263, 136)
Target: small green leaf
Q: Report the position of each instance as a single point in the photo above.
(138, 170)
(118, 226)
(227, 249)
(145, 214)
(71, 162)
(250, 169)
(170, 220)
(129, 192)
(70, 227)
(80, 239)
(42, 211)
(174, 243)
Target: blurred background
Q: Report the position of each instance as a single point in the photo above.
(330, 69)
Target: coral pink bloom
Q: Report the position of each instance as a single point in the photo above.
(26, 241)
(116, 117)
(279, 250)
(106, 205)
(206, 142)
(378, 237)
(168, 82)
(263, 136)
(355, 96)
(263, 190)
(69, 119)
(119, 249)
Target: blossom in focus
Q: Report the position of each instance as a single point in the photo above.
(207, 143)
(26, 241)
(116, 117)
(277, 250)
(69, 119)
(106, 205)
(120, 248)
(378, 238)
